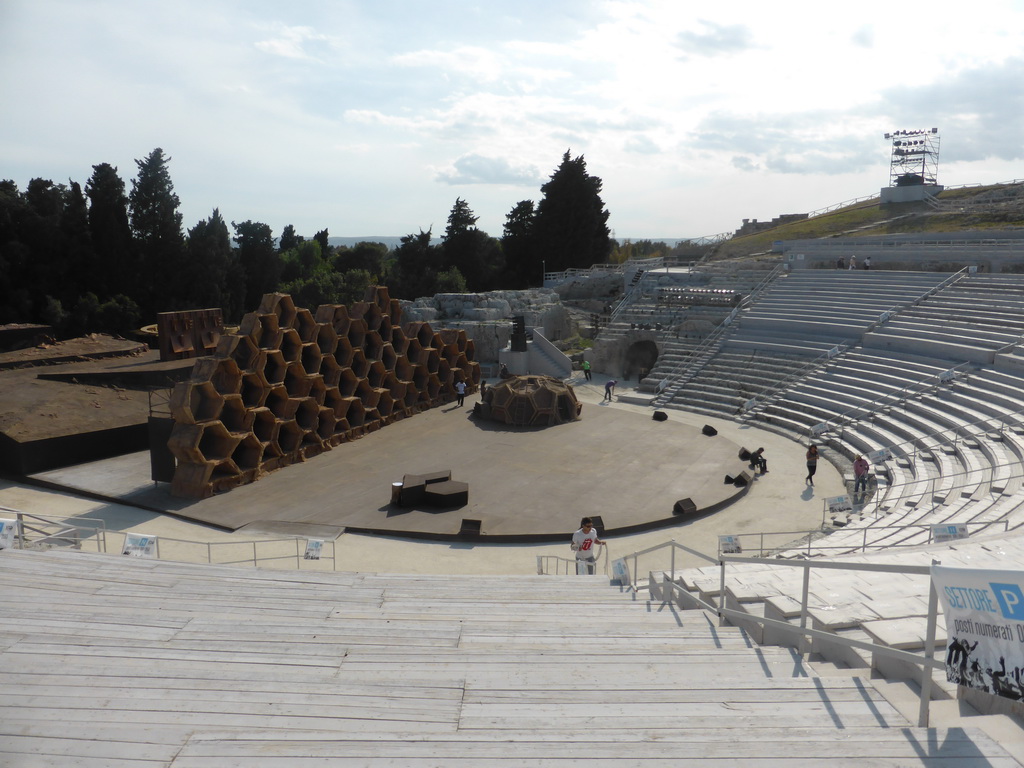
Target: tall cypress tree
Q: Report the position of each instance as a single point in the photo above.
(114, 269)
(571, 225)
(156, 224)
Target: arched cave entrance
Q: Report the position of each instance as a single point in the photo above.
(640, 359)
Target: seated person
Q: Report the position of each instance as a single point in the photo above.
(758, 461)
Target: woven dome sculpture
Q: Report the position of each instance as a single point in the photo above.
(531, 401)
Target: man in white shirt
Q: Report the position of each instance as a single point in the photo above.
(460, 391)
(583, 543)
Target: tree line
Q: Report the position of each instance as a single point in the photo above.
(102, 258)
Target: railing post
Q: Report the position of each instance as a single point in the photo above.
(673, 560)
(803, 604)
(929, 653)
(721, 595)
(209, 553)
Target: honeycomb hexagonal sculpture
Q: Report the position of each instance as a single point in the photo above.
(530, 401)
(292, 383)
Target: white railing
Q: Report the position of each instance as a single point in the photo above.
(555, 565)
(36, 530)
(670, 591)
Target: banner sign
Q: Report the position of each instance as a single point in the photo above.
(620, 572)
(313, 549)
(139, 545)
(877, 457)
(941, 533)
(838, 505)
(984, 613)
(729, 545)
(947, 376)
(8, 533)
(819, 429)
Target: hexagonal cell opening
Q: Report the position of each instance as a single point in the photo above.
(241, 349)
(414, 351)
(399, 341)
(278, 403)
(305, 324)
(356, 414)
(193, 402)
(317, 388)
(436, 341)
(388, 356)
(472, 370)
(325, 423)
(397, 389)
(347, 382)
(412, 396)
(289, 436)
(337, 403)
(235, 415)
(343, 352)
(420, 374)
(226, 376)
(249, 453)
(444, 373)
(216, 443)
(335, 314)
(274, 367)
(281, 305)
(358, 309)
(360, 365)
(385, 403)
(330, 370)
(264, 425)
(254, 390)
(433, 386)
(395, 312)
(376, 374)
(432, 359)
(311, 357)
(372, 317)
(357, 333)
(296, 381)
(270, 332)
(326, 338)
(291, 345)
(367, 395)
(307, 413)
(385, 326)
(378, 295)
(250, 327)
(373, 345)
(425, 334)
(403, 369)
(470, 350)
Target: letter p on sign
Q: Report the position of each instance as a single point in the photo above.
(1011, 600)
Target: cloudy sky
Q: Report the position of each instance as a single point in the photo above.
(370, 117)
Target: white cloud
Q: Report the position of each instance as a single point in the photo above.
(478, 169)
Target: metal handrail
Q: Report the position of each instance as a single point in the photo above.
(256, 560)
(702, 353)
(568, 564)
(70, 530)
(672, 591)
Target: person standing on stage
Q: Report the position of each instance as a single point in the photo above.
(812, 463)
(583, 543)
(586, 369)
(460, 391)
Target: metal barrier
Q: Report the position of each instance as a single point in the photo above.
(556, 565)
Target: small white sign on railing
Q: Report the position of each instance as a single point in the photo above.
(837, 505)
(819, 429)
(877, 457)
(750, 404)
(884, 317)
(950, 532)
(620, 572)
(833, 352)
(139, 545)
(947, 376)
(313, 549)
(729, 545)
(8, 532)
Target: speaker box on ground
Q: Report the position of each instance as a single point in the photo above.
(469, 527)
(709, 430)
(684, 507)
(660, 416)
(729, 479)
(743, 478)
(744, 454)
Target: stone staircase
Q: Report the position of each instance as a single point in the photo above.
(120, 662)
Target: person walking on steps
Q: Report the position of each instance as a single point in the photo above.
(812, 463)
(586, 369)
(860, 475)
(583, 543)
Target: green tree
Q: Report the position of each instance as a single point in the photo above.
(413, 272)
(473, 252)
(288, 239)
(322, 237)
(261, 264)
(81, 256)
(369, 257)
(156, 224)
(219, 278)
(571, 223)
(115, 268)
(517, 245)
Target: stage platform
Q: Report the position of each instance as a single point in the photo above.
(525, 484)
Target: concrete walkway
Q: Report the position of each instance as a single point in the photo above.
(781, 502)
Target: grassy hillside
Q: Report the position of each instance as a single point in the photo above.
(866, 218)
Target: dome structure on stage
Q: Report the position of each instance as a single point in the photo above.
(530, 401)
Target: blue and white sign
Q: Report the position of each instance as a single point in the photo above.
(984, 613)
(620, 572)
(8, 533)
(942, 533)
(313, 549)
(819, 429)
(139, 545)
(838, 505)
(877, 457)
(729, 545)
